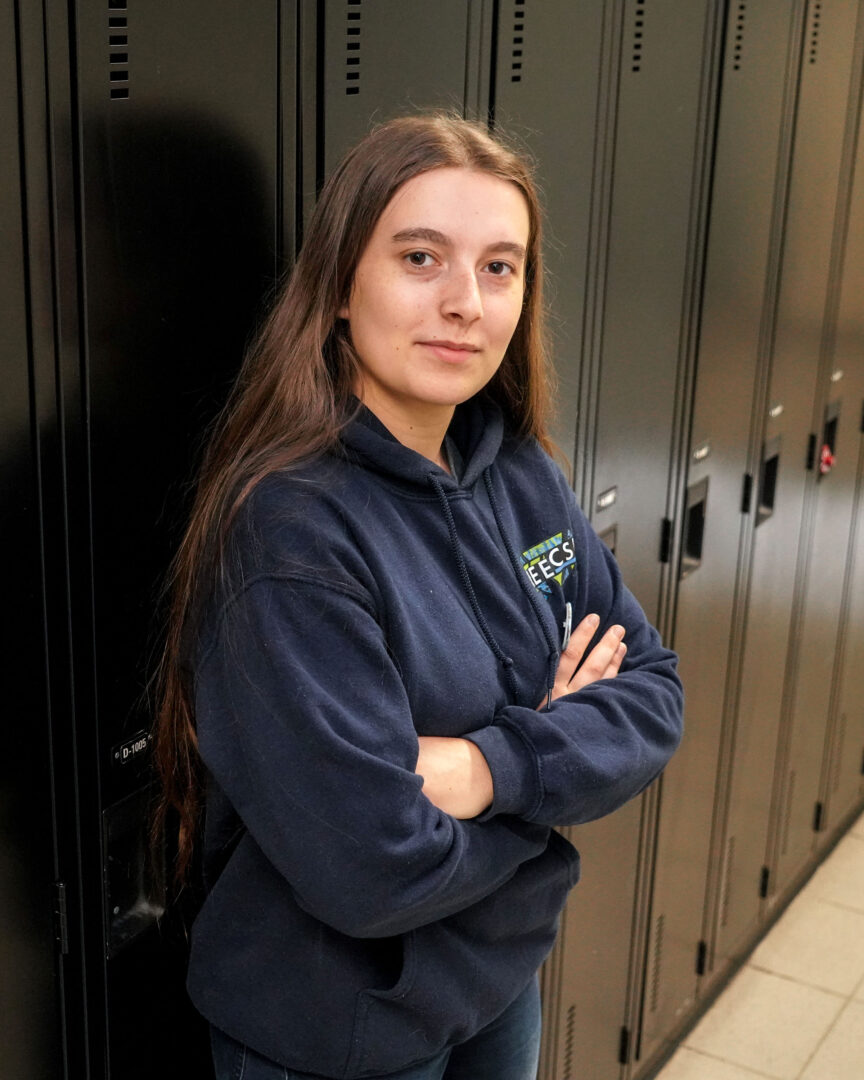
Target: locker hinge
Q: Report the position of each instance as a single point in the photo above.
(746, 493)
(811, 452)
(701, 957)
(764, 878)
(624, 1047)
(61, 924)
(818, 814)
(665, 540)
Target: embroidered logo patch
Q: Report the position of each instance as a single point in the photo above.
(551, 560)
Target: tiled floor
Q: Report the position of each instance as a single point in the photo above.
(795, 1011)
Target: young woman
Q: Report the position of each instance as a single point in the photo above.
(370, 680)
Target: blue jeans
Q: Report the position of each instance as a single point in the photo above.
(506, 1049)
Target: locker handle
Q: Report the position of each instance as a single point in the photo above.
(694, 528)
(829, 439)
(768, 481)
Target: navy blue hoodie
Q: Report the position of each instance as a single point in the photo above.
(351, 928)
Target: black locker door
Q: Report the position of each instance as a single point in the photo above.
(541, 50)
(180, 231)
(379, 58)
(640, 348)
(745, 237)
(641, 351)
(30, 1020)
(815, 228)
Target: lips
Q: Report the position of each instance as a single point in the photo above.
(451, 351)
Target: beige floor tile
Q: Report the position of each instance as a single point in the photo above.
(841, 1055)
(766, 1023)
(859, 993)
(816, 942)
(858, 827)
(688, 1064)
(840, 879)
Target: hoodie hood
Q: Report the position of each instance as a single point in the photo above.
(477, 429)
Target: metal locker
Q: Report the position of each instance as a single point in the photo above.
(815, 231)
(31, 1018)
(745, 237)
(365, 62)
(181, 219)
(640, 351)
(541, 48)
(842, 785)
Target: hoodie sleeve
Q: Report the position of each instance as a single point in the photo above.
(304, 723)
(595, 749)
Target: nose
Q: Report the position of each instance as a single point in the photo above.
(461, 298)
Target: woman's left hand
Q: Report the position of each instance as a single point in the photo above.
(455, 775)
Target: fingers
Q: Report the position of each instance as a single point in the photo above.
(615, 664)
(569, 660)
(603, 662)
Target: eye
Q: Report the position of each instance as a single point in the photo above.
(419, 258)
(499, 269)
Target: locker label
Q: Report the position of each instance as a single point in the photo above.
(132, 749)
(606, 498)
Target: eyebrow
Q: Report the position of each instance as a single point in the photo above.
(432, 236)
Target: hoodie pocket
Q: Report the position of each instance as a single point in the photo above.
(460, 973)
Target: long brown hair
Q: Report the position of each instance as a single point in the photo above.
(292, 398)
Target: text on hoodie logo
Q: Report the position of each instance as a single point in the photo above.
(551, 560)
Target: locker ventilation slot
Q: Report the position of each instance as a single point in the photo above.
(569, 1041)
(352, 47)
(657, 961)
(517, 41)
(118, 61)
(638, 32)
(814, 31)
(739, 37)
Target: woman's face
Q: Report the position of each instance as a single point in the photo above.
(438, 292)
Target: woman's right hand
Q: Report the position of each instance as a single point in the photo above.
(602, 662)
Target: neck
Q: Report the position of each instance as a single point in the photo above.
(420, 430)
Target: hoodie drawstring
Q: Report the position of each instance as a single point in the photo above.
(505, 661)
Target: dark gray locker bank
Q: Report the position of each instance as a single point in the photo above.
(751, 168)
(843, 764)
(835, 423)
(782, 546)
